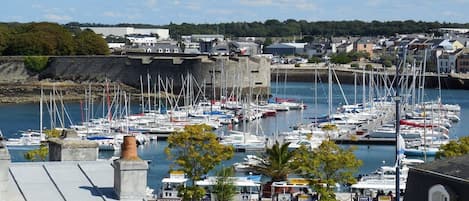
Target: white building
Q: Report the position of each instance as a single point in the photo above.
(163, 34)
(446, 62)
(139, 40)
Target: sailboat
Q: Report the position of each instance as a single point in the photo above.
(30, 137)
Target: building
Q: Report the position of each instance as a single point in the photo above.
(74, 174)
(285, 49)
(462, 63)
(206, 37)
(163, 48)
(453, 30)
(316, 49)
(345, 47)
(245, 48)
(446, 62)
(163, 34)
(456, 44)
(364, 44)
(141, 40)
(203, 43)
(440, 180)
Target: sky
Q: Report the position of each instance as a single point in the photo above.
(162, 12)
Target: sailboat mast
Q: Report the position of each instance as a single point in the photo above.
(148, 91)
(40, 114)
(397, 99)
(329, 90)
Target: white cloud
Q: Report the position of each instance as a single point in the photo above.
(451, 14)
(111, 14)
(192, 6)
(374, 3)
(256, 2)
(152, 3)
(298, 4)
(37, 6)
(221, 11)
(54, 17)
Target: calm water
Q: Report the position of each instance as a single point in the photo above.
(17, 117)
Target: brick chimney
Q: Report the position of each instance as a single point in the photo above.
(130, 172)
(4, 166)
(70, 147)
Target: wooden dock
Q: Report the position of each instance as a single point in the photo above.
(366, 141)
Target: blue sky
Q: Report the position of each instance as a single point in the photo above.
(161, 12)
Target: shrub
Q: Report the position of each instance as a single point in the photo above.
(314, 60)
(297, 65)
(387, 63)
(354, 65)
(368, 67)
(36, 63)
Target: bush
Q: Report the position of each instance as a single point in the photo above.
(314, 60)
(368, 67)
(354, 65)
(297, 65)
(36, 63)
(387, 63)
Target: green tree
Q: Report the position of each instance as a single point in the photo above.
(341, 58)
(329, 164)
(196, 151)
(40, 39)
(276, 162)
(36, 63)
(4, 37)
(454, 148)
(314, 59)
(37, 154)
(89, 43)
(224, 188)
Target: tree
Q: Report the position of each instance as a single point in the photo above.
(314, 59)
(341, 58)
(224, 188)
(37, 154)
(276, 162)
(329, 164)
(89, 43)
(196, 151)
(43, 150)
(4, 37)
(40, 39)
(454, 148)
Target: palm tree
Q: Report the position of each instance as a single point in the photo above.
(275, 162)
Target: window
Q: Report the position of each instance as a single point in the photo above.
(160, 50)
(167, 50)
(175, 50)
(438, 193)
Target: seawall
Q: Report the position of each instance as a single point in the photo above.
(220, 75)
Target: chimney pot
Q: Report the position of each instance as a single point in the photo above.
(129, 148)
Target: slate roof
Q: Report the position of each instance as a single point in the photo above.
(456, 167)
(51, 181)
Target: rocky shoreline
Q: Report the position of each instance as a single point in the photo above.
(30, 92)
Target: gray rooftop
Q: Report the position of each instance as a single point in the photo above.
(456, 167)
(71, 180)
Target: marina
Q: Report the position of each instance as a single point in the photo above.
(373, 151)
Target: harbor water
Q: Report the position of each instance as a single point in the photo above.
(17, 117)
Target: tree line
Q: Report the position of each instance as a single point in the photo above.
(291, 27)
(49, 39)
